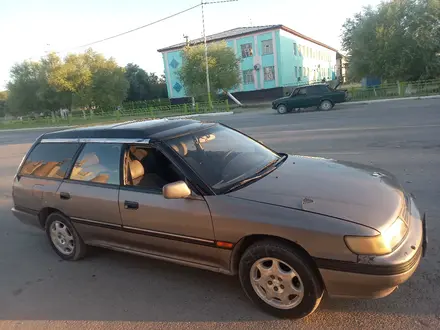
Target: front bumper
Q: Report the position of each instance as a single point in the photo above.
(378, 276)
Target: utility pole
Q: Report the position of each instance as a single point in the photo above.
(208, 87)
(186, 40)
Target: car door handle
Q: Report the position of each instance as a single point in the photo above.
(128, 205)
(64, 195)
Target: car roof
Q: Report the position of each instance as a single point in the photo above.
(311, 85)
(157, 129)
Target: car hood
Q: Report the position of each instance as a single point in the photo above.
(344, 190)
(281, 99)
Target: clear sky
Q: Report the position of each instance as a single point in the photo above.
(30, 28)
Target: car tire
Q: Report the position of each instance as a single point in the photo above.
(64, 238)
(326, 105)
(282, 109)
(298, 275)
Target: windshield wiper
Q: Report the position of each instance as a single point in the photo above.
(245, 181)
(260, 173)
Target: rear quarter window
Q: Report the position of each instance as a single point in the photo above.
(49, 160)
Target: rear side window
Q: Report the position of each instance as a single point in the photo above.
(98, 163)
(302, 91)
(49, 160)
(314, 90)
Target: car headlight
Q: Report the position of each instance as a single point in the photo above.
(380, 244)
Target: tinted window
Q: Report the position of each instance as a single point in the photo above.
(325, 89)
(314, 90)
(99, 163)
(302, 91)
(49, 160)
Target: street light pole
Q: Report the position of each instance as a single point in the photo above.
(206, 58)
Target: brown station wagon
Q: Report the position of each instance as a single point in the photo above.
(207, 196)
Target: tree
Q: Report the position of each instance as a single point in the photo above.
(23, 88)
(223, 68)
(51, 98)
(3, 105)
(143, 85)
(30, 90)
(91, 79)
(398, 40)
(109, 86)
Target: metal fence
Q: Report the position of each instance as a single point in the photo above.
(127, 113)
(395, 90)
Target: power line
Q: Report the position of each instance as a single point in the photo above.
(220, 1)
(135, 29)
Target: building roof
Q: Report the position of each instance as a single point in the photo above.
(242, 31)
(148, 129)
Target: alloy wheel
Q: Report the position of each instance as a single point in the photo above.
(276, 283)
(62, 238)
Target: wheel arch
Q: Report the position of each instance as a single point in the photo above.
(327, 99)
(44, 214)
(247, 241)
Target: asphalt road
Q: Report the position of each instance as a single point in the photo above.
(109, 290)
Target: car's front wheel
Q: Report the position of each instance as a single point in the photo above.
(64, 238)
(282, 109)
(280, 280)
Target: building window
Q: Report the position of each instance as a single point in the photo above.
(248, 77)
(300, 72)
(296, 72)
(269, 73)
(98, 163)
(246, 50)
(300, 50)
(295, 49)
(267, 46)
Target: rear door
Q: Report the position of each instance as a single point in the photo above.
(314, 96)
(41, 174)
(90, 194)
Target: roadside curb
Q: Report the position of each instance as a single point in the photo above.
(394, 99)
(34, 128)
(212, 114)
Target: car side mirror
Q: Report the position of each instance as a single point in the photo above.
(176, 190)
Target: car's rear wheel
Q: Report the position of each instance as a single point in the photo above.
(64, 238)
(326, 105)
(282, 109)
(280, 280)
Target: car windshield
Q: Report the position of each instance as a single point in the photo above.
(223, 157)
